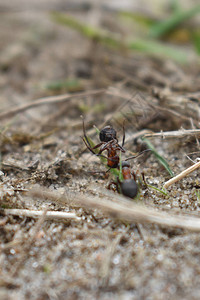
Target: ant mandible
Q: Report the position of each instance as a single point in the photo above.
(109, 142)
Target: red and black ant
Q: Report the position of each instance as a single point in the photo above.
(128, 187)
(109, 142)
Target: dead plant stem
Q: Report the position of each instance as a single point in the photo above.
(45, 101)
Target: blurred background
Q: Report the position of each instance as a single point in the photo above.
(131, 60)
(55, 46)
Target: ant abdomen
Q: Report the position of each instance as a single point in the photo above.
(129, 188)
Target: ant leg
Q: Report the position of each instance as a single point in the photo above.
(98, 145)
(85, 139)
(120, 148)
(110, 186)
(91, 150)
(143, 178)
(87, 144)
(105, 146)
(123, 140)
(134, 175)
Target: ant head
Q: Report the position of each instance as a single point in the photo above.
(125, 164)
(107, 134)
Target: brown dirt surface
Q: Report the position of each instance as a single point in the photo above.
(97, 254)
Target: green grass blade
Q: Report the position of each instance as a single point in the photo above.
(97, 130)
(71, 85)
(197, 192)
(175, 6)
(160, 49)
(161, 159)
(143, 20)
(86, 30)
(109, 39)
(160, 29)
(196, 41)
(162, 191)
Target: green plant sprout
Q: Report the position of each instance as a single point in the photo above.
(144, 45)
(162, 191)
(197, 192)
(160, 158)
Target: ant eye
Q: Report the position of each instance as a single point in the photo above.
(107, 134)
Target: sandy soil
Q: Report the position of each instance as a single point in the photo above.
(93, 256)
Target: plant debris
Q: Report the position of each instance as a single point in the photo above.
(63, 234)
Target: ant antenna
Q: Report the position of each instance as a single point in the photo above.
(132, 157)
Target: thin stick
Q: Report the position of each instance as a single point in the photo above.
(120, 208)
(47, 100)
(182, 175)
(50, 215)
(29, 244)
(174, 134)
(105, 268)
(10, 244)
(192, 123)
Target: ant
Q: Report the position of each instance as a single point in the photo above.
(109, 142)
(128, 187)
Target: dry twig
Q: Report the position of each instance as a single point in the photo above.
(107, 261)
(182, 175)
(182, 133)
(121, 209)
(47, 100)
(50, 215)
(29, 244)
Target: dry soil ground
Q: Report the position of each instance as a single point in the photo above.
(94, 255)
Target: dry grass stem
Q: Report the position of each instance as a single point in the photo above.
(121, 209)
(29, 244)
(136, 135)
(182, 133)
(182, 175)
(11, 244)
(45, 101)
(50, 215)
(196, 135)
(107, 261)
(159, 107)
